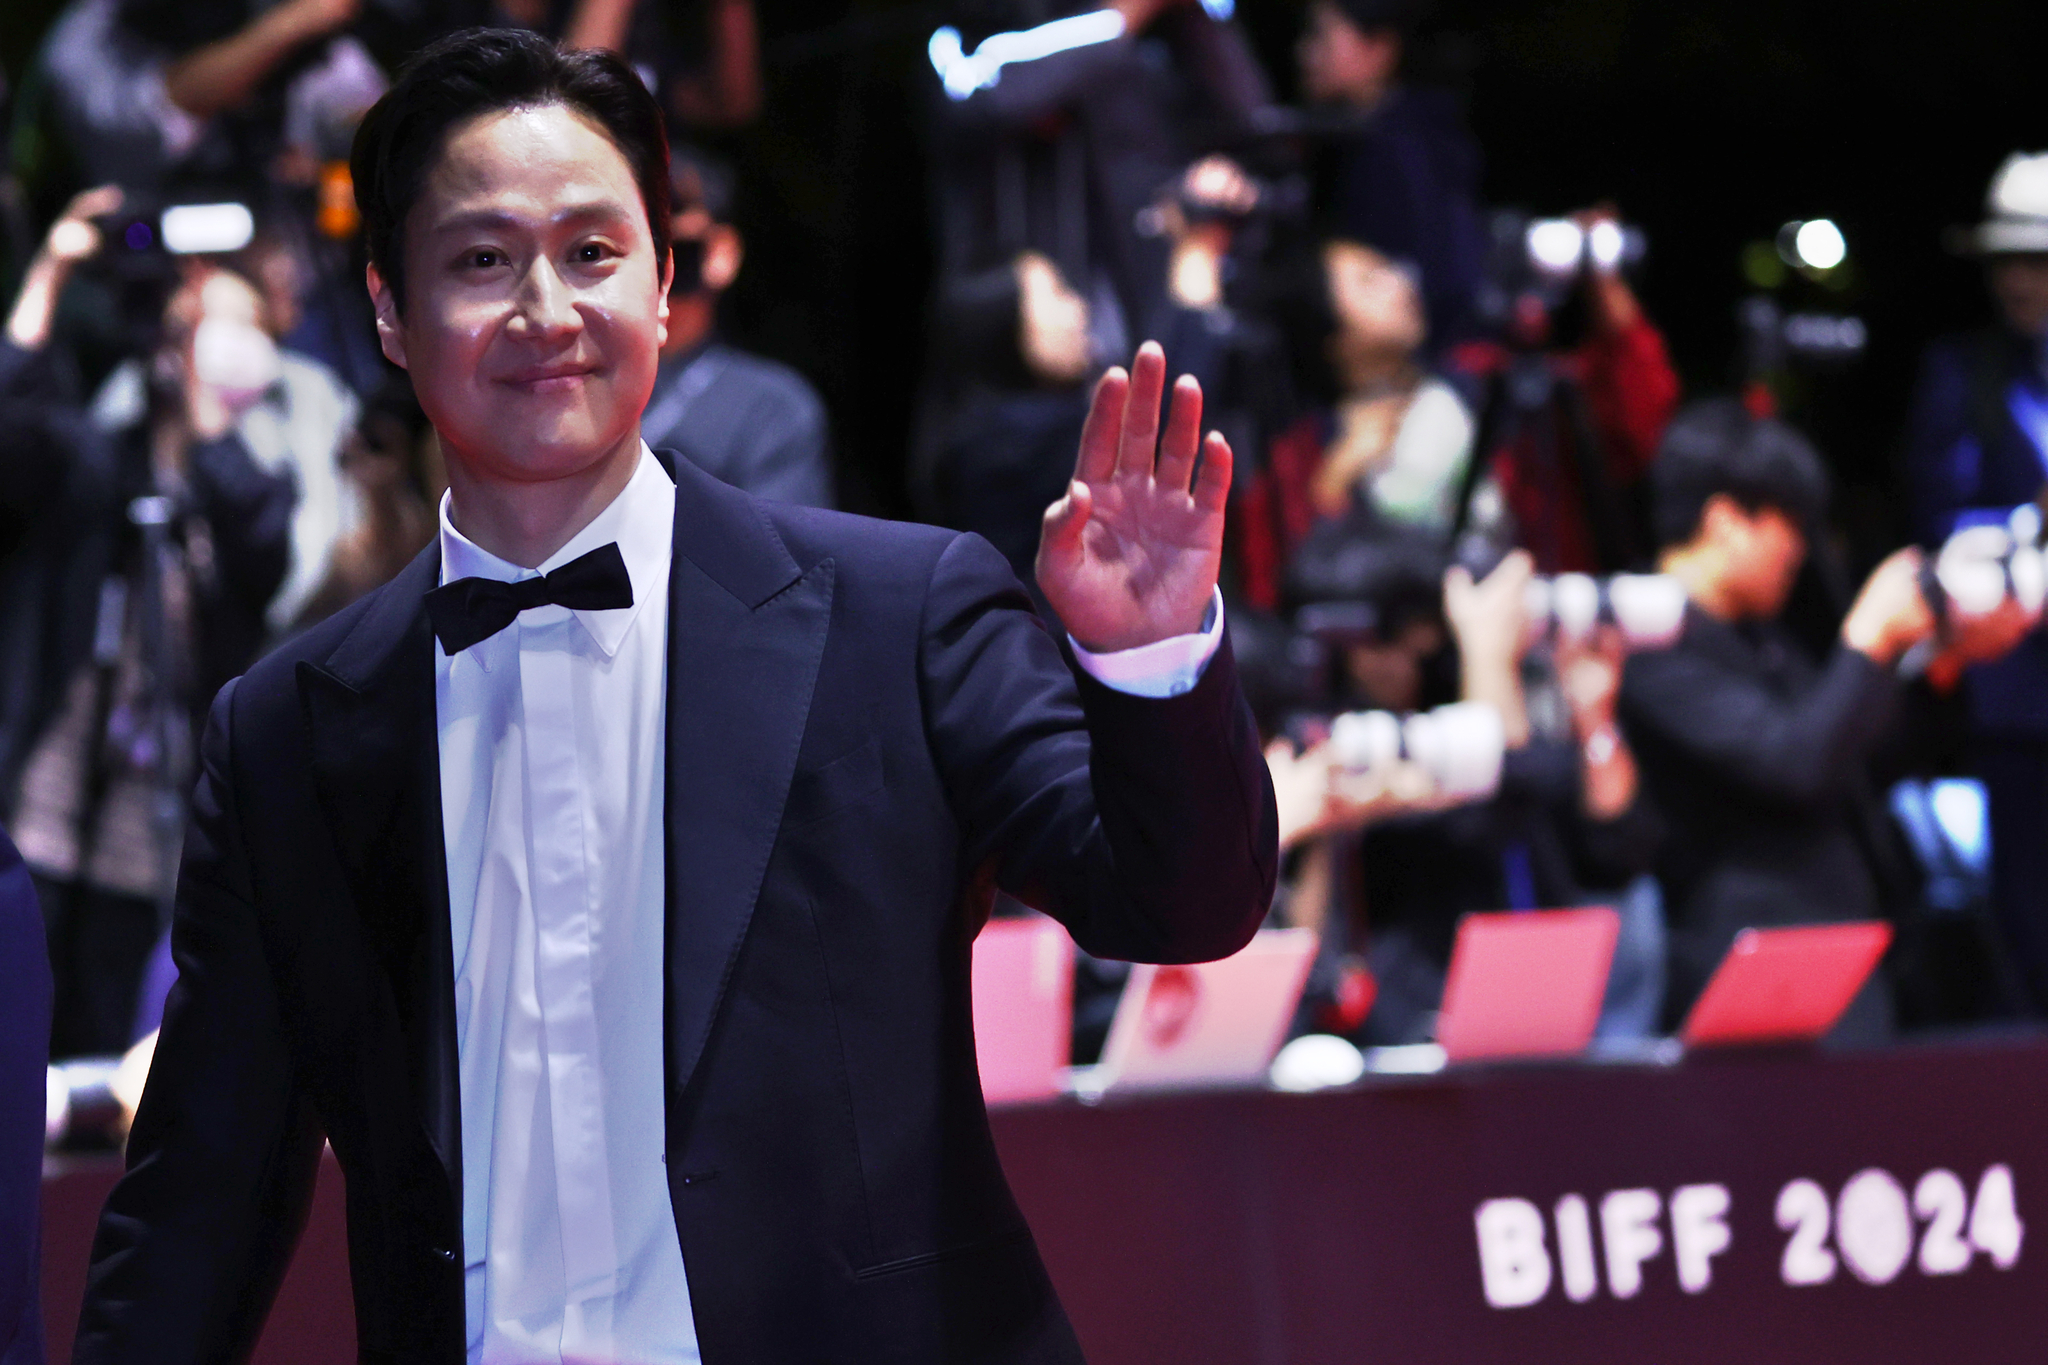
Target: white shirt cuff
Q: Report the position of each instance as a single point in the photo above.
(1164, 668)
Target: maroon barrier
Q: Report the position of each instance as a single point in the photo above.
(1758, 1208)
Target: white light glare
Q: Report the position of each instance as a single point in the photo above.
(963, 74)
(1556, 243)
(1820, 245)
(207, 229)
(1220, 9)
(1606, 243)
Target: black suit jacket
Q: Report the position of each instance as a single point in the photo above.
(867, 729)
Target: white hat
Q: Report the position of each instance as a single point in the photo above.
(2015, 209)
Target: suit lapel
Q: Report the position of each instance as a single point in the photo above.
(747, 630)
(376, 764)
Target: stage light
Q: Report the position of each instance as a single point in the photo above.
(962, 73)
(1606, 244)
(1555, 244)
(1820, 244)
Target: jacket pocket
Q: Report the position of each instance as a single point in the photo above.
(818, 793)
(979, 1245)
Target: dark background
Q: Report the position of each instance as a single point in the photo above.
(1708, 125)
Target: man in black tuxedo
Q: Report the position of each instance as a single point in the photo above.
(603, 889)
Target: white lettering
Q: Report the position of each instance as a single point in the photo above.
(1699, 1232)
(1513, 1266)
(1575, 1249)
(1628, 1229)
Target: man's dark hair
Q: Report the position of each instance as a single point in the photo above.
(481, 71)
(699, 180)
(1384, 16)
(1717, 446)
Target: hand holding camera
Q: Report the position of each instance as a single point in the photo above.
(71, 239)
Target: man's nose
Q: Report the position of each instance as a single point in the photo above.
(546, 304)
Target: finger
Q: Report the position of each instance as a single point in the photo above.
(1141, 413)
(1212, 480)
(1183, 435)
(1064, 521)
(94, 203)
(1097, 461)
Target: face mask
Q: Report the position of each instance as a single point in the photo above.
(237, 360)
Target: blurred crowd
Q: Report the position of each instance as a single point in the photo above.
(1512, 608)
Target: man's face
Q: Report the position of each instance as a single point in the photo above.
(535, 308)
(1377, 305)
(1388, 673)
(1340, 61)
(1762, 552)
(2020, 284)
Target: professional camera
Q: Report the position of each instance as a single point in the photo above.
(1461, 745)
(1542, 260)
(1648, 609)
(1979, 567)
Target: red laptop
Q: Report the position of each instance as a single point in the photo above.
(1785, 985)
(1023, 1007)
(1526, 983)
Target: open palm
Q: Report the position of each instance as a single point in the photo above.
(1130, 555)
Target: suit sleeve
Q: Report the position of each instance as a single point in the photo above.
(196, 1237)
(1146, 826)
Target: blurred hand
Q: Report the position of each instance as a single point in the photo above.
(1052, 322)
(74, 237)
(1890, 614)
(1139, 14)
(317, 18)
(1318, 796)
(1490, 618)
(1130, 555)
(1980, 638)
(1219, 184)
(1589, 673)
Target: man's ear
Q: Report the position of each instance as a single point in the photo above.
(390, 333)
(724, 252)
(668, 279)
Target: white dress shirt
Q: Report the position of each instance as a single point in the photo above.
(552, 742)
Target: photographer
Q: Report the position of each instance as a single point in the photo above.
(1393, 437)
(1572, 399)
(1047, 174)
(1758, 758)
(138, 89)
(1976, 447)
(756, 424)
(1563, 827)
(137, 588)
(1406, 173)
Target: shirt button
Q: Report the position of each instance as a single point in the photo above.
(443, 1253)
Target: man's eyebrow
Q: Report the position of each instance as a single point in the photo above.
(596, 210)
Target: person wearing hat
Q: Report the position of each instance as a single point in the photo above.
(1977, 447)
(1405, 178)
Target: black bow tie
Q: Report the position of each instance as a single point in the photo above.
(473, 609)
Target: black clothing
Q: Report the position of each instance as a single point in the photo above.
(473, 609)
(24, 1031)
(1759, 762)
(866, 729)
(756, 424)
(1407, 185)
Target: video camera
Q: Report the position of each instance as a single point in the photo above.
(1541, 260)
